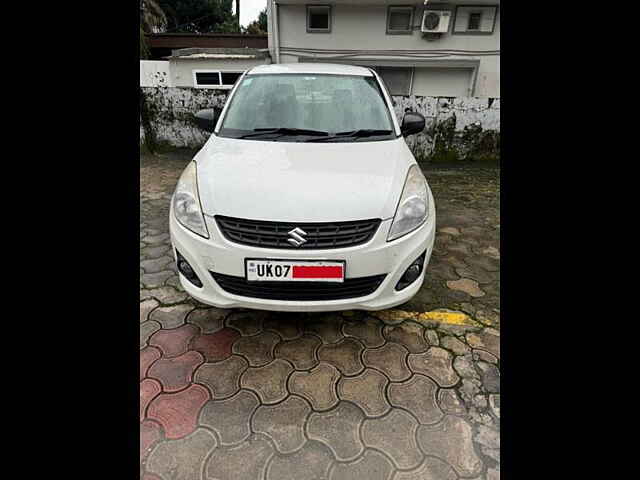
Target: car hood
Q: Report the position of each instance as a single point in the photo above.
(302, 182)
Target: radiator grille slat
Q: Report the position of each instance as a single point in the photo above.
(300, 291)
(264, 234)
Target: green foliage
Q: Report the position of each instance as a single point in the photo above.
(259, 26)
(198, 16)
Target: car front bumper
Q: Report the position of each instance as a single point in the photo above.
(217, 254)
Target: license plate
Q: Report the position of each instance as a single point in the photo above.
(261, 270)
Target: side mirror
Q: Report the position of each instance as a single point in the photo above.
(412, 123)
(206, 119)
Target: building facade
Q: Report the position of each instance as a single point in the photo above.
(435, 49)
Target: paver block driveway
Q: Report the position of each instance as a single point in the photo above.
(411, 393)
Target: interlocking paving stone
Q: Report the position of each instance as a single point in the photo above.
(450, 231)
(371, 466)
(248, 460)
(301, 351)
(450, 402)
(149, 389)
(146, 307)
(178, 412)
(455, 345)
(182, 459)
(481, 355)
(318, 386)
(488, 339)
(154, 252)
(173, 342)
(409, 335)
(432, 337)
(172, 316)
(155, 265)
(477, 274)
(390, 360)
(147, 329)
(210, 320)
(222, 378)
(451, 440)
(431, 469)
(165, 295)
(327, 327)
(466, 285)
(338, 429)
(247, 323)
(176, 373)
(257, 349)
(395, 435)
(148, 355)
(494, 403)
(436, 363)
(493, 474)
(216, 346)
(156, 239)
(490, 377)
(284, 324)
(418, 395)
(310, 462)
(150, 433)
(368, 331)
(487, 263)
(367, 391)
(230, 417)
(465, 367)
(269, 382)
(155, 280)
(344, 355)
(283, 423)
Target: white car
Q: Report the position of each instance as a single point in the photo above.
(305, 197)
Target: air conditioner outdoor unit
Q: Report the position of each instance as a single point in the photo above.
(436, 21)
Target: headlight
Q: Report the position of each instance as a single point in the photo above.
(413, 208)
(186, 202)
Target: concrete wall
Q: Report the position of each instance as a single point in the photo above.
(454, 126)
(154, 73)
(363, 27)
(182, 69)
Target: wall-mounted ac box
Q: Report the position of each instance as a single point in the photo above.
(436, 21)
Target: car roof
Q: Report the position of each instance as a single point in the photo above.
(310, 68)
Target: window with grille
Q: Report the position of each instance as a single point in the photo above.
(318, 18)
(399, 20)
(474, 21)
(215, 79)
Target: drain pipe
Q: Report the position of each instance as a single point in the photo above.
(276, 31)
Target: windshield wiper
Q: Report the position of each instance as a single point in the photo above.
(363, 132)
(283, 131)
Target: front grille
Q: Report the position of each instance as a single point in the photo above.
(259, 233)
(350, 288)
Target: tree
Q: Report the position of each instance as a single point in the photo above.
(259, 26)
(198, 16)
(152, 19)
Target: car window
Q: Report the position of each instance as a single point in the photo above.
(327, 103)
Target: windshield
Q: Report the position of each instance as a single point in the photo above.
(303, 107)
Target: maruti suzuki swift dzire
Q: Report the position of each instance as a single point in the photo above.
(305, 197)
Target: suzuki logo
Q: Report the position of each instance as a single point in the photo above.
(296, 237)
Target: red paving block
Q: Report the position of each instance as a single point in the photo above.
(149, 389)
(174, 342)
(147, 356)
(176, 373)
(150, 433)
(216, 346)
(178, 412)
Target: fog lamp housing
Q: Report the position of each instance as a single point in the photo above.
(412, 273)
(187, 270)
